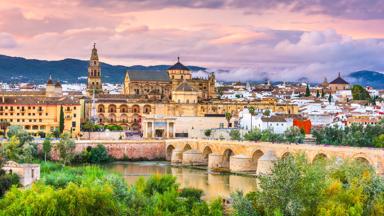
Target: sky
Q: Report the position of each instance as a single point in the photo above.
(247, 39)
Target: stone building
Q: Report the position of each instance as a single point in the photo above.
(161, 84)
(39, 111)
(338, 84)
(94, 73)
(28, 173)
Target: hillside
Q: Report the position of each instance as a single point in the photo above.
(16, 69)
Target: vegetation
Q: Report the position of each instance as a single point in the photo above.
(291, 135)
(307, 91)
(299, 187)
(6, 181)
(228, 117)
(113, 127)
(47, 147)
(235, 135)
(61, 120)
(252, 111)
(96, 155)
(360, 93)
(19, 147)
(354, 135)
(330, 97)
(208, 132)
(317, 93)
(65, 147)
(92, 191)
(267, 112)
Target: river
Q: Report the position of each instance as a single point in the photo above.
(214, 185)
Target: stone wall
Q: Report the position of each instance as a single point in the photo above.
(125, 149)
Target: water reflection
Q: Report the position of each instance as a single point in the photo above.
(213, 185)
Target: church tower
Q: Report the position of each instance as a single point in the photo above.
(94, 73)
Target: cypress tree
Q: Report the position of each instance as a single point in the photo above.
(322, 93)
(317, 94)
(330, 97)
(307, 91)
(61, 122)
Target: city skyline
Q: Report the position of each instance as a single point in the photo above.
(285, 39)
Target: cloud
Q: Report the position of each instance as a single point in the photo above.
(7, 41)
(349, 9)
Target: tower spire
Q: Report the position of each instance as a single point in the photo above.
(94, 45)
(178, 59)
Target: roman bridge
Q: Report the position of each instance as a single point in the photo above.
(258, 157)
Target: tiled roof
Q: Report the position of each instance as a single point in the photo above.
(178, 66)
(22, 100)
(148, 76)
(339, 80)
(273, 119)
(184, 86)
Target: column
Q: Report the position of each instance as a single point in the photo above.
(153, 129)
(173, 130)
(167, 130)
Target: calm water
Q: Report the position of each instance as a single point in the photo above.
(213, 185)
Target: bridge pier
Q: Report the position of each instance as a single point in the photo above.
(241, 163)
(177, 156)
(215, 161)
(193, 157)
(266, 163)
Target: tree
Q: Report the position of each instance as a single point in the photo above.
(47, 147)
(251, 111)
(61, 121)
(235, 135)
(360, 93)
(253, 135)
(228, 117)
(330, 97)
(294, 135)
(317, 94)
(307, 91)
(99, 154)
(65, 148)
(322, 93)
(267, 112)
(208, 132)
(89, 126)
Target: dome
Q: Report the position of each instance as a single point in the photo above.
(184, 86)
(178, 66)
(57, 84)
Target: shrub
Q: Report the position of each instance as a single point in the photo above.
(6, 182)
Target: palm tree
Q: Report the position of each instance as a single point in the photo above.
(228, 117)
(251, 111)
(4, 125)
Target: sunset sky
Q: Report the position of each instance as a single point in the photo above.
(254, 39)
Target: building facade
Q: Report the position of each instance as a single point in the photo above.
(94, 73)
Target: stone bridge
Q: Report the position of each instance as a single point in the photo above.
(258, 157)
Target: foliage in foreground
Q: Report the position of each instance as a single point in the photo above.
(92, 191)
(297, 187)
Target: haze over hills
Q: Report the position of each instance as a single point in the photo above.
(17, 69)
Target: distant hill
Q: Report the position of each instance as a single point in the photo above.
(16, 69)
(367, 78)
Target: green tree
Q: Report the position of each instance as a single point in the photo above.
(208, 132)
(294, 135)
(99, 154)
(65, 148)
(61, 120)
(88, 126)
(267, 112)
(228, 117)
(379, 141)
(252, 112)
(242, 206)
(360, 93)
(322, 93)
(235, 135)
(307, 91)
(253, 135)
(47, 147)
(317, 93)
(330, 97)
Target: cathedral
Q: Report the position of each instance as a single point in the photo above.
(172, 92)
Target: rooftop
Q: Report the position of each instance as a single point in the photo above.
(148, 76)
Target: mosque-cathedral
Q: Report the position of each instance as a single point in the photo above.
(173, 92)
(146, 94)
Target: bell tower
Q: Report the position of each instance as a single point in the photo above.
(94, 72)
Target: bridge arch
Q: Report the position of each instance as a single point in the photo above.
(187, 147)
(361, 157)
(228, 153)
(286, 154)
(168, 155)
(320, 157)
(206, 152)
(255, 157)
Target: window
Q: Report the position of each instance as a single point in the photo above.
(221, 125)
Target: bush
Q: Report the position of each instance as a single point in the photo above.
(235, 135)
(6, 182)
(99, 154)
(113, 127)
